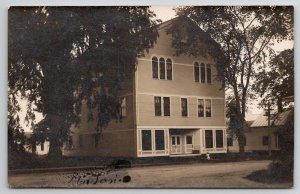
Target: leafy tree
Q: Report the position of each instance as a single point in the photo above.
(283, 163)
(60, 56)
(237, 38)
(276, 82)
(16, 138)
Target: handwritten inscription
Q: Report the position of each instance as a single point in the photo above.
(98, 176)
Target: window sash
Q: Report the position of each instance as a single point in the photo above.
(189, 139)
(166, 106)
(146, 140)
(196, 72)
(169, 69)
(203, 75)
(184, 107)
(200, 108)
(208, 107)
(154, 68)
(157, 105)
(159, 140)
(219, 138)
(209, 139)
(162, 68)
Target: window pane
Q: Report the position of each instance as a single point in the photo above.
(208, 74)
(203, 73)
(157, 104)
(169, 69)
(42, 146)
(184, 108)
(155, 67)
(208, 139)
(265, 140)
(162, 68)
(166, 106)
(159, 140)
(196, 72)
(200, 108)
(173, 140)
(189, 139)
(178, 140)
(146, 140)
(219, 138)
(208, 108)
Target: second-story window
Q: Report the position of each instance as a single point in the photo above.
(208, 107)
(162, 106)
(184, 107)
(162, 68)
(166, 106)
(157, 105)
(200, 108)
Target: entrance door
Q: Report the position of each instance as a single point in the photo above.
(175, 144)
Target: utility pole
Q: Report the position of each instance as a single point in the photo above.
(269, 128)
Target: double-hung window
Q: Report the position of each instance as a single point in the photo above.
(208, 107)
(184, 107)
(204, 107)
(162, 106)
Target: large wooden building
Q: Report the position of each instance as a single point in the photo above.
(173, 105)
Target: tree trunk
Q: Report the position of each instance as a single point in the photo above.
(242, 138)
(279, 105)
(55, 151)
(55, 147)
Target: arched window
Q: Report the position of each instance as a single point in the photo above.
(196, 71)
(155, 67)
(162, 68)
(169, 69)
(203, 78)
(208, 71)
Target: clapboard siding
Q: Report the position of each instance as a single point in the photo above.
(146, 114)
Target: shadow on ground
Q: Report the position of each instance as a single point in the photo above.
(268, 176)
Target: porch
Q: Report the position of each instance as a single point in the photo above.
(180, 142)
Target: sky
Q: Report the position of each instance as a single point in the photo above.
(165, 13)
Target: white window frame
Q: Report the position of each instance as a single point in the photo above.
(187, 104)
(162, 105)
(205, 71)
(211, 110)
(165, 58)
(153, 151)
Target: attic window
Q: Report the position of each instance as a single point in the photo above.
(202, 73)
(162, 68)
